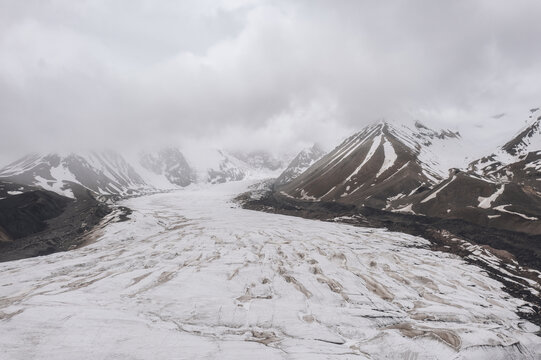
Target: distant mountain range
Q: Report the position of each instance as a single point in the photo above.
(407, 169)
(109, 173)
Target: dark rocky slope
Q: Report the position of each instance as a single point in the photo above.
(41, 222)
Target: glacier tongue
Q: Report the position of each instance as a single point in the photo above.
(191, 275)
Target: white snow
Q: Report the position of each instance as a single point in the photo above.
(375, 144)
(486, 202)
(437, 155)
(393, 198)
(21, 165)
(53, 185)
(501, 158)
(532, 143)
(349, 147)
(193, 276)
(158, 181)
(535, 165)
(406, 210)
(398, 171)
(390, 157)
(305, 196)
(435, 193)
(328, 192)
(14, 192)
(501, 208)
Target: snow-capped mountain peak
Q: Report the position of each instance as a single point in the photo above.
(227, 168)
(382, 160)
(518, 160)
(170, 164)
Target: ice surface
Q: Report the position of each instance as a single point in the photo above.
(193, 276)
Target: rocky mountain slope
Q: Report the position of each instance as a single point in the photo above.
(479, 200)
(37, 222)
(108, 173)
(381, 163)
(519, 160)
(500, 190)
(402, 169)
(104, 173)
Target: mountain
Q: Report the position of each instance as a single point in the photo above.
(501, 190)
(415, 170)
(519, 160)
(165, 169)
(109, 173)
(299, 164)
(105, 173)
(223, 166)
(227, 168)
(260, 160)
(478, 200)
(378, 165)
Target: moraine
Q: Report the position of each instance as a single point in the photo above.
(192, 275)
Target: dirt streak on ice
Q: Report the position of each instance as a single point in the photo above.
(191, 275)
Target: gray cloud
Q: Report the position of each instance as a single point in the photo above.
(259, 73)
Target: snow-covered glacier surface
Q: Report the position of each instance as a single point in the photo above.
(191, 275)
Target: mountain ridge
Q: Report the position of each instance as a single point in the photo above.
(399, 169)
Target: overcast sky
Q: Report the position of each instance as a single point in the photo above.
(260, 74)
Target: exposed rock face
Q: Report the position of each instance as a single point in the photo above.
(39, 222)
(26, 213)
(300, 163)
(478, 200)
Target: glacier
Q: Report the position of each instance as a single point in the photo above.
(192, 275)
